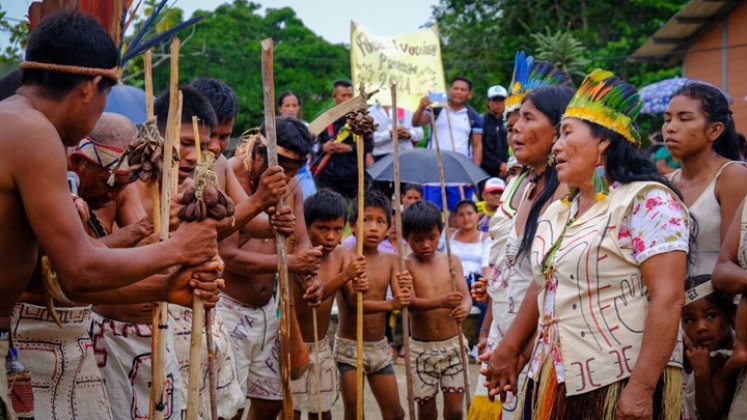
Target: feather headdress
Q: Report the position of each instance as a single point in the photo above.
(115, 16)
(607, 100)
(528, 76)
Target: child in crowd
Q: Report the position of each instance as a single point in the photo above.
(707, 319)
(382, 272)
(436, 313)
(411, 193)
(325, 214)
(491, 196)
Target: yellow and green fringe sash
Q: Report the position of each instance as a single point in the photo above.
(548, 399)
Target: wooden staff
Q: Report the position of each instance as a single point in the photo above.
(317, 368)
(268, 90)
(160, 309)
(212, 377)
(198, 319)
(452, 271)
(359, 295)
(447, 108)
(401, 252)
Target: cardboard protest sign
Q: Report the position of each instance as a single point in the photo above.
(413, 60)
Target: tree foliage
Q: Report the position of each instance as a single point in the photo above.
(563, 50)
(480, 37)
(225, 45)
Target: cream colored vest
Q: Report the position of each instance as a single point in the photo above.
(601, 300)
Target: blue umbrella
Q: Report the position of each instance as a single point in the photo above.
(656, 96)
(128, 101)
(420, 166)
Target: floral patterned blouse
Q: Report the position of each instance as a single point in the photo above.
(656, 223)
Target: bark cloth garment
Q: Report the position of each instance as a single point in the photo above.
(437, 365)
(376, 355)
(66, 381)
(253, 332)
(305, 388)
(6, 409)
(123, 353)
(507, 285)
(594, 301)
(229, 392)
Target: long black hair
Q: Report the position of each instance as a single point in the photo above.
(625, 164)
(550, 101)
(716, 109)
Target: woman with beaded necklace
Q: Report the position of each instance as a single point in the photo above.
(607, 344)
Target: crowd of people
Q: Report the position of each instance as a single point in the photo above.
(607, 282)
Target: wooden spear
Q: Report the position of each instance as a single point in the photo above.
(359, 295)
(160, 309)
(268, 90)
(452, 271)
(401, 252)
(198, 319)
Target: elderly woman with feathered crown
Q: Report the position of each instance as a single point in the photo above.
(611, 260)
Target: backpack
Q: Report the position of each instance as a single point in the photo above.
(472, 115)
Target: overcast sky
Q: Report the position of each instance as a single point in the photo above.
(328, 18)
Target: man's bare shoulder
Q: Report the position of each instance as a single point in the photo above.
(24, 126)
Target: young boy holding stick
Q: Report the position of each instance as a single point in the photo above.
(325, 213)
(381, 272)
(436, 313)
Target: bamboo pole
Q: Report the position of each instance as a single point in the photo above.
(401, 251)
(160, 309)
(268, 90)
(452, 271)
(198, 319)
(359, 295)
(447, 108)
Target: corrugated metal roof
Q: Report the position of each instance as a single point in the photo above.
(686, 26)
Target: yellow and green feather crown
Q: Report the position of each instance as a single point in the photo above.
(528, 76)
(607, 100)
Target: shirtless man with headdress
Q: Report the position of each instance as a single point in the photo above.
(248, 306)
(68, 72)
(55, 344)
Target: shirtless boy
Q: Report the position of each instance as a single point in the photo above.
(325, 213)
(248, 304)
(436, 313)
(382, 273)
(55, 107)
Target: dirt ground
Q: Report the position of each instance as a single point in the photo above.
(371, 409)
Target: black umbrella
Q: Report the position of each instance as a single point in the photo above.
(420, 166)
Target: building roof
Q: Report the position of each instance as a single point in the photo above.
(684, 28)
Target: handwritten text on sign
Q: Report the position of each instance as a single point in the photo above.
(413, 61)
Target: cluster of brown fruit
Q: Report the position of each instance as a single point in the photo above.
(214, 204)
(145, 154)
(361, 122)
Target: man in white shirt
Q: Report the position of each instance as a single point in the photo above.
(407, 134)
(459, 128)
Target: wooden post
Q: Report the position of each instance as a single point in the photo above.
(452, 271)
(268, 90)
(359, 295)
(401, 251)
(198, 319)
(317, 368)
(160, 309)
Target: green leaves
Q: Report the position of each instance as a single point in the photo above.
(562, 50)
